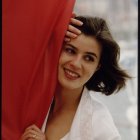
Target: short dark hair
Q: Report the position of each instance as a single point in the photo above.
(110, 77)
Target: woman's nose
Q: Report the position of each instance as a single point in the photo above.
(76, 62)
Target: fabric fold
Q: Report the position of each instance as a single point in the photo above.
(32, 36)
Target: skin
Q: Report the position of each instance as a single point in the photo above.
(79, 60)
(73, 32)
(32, 131)
(81, 57)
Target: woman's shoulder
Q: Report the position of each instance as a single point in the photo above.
(95, 106)
(95, 103)
(101, 119)
(99, 109)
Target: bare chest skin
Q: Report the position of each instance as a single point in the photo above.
(59, 124)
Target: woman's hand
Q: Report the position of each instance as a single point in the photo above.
(33, 133)
(73, 32)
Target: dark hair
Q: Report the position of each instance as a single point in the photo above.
(110, 77)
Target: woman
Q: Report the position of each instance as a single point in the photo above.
(87, 64)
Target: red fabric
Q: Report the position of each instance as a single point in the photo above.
(32, 36)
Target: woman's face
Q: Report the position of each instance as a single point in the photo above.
(79, 60)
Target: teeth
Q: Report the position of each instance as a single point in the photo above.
(72, 74)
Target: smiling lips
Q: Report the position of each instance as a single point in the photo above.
(71, 74)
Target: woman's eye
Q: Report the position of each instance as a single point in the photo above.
(69, 50)
(89, 58)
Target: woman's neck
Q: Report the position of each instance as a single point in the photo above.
(67, 99)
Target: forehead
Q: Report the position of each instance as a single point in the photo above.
(86, 44)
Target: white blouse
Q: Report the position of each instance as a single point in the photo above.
(92, 121)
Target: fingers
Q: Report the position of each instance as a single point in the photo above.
(70, 34)
(74, 30)
(66, 39)
(33, 133)
(33, 127)
(76, 22)
(29, 134)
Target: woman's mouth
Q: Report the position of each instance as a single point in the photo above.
(71, 74)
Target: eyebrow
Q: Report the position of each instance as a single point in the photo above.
(90, 53)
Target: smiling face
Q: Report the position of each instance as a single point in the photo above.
(79, 60)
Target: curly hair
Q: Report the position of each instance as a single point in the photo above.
(110, 77)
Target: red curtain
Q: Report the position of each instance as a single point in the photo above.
(32, 36)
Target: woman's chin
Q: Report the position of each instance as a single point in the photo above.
(68, 85)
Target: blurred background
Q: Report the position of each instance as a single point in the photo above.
(122, 18)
